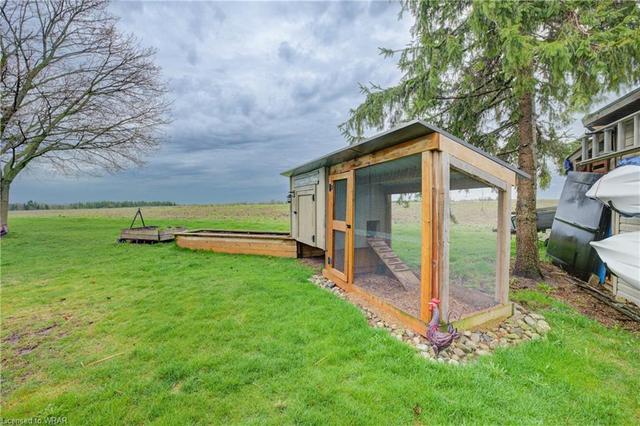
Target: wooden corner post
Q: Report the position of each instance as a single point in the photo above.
(427, 236)
(504, 245)
(444, 208)
(433, 199)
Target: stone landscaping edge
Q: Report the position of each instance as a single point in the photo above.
(521, 327)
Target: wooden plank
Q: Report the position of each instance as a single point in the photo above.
(425, 259)
(405, 319)
(404, 149)
(329, 228)
(339, 226)
(140, 234)
(321, 203)
(376, 303)
(239, 251)
(305, 250)
(485, 317)
(349, 255)
(139, 237)
(245, 245)
(444, 254)
(396, 266)
(238, 246)
(504, 245)
(481, 162)
(305, 215)
(605, 297)
(258, 242)
(328, 274)
(477, 173)
(343, 226)
(628, 224)
(437, 202)
(232, 235)
(628, 292)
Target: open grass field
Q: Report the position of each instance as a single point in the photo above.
(106, 333)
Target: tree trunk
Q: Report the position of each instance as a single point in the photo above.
(4, 202)
(527, 259)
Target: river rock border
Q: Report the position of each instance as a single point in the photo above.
(521, 327)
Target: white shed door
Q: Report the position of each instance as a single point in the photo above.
(306, 213)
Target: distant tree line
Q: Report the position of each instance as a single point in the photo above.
(34, 205)
(76, 94)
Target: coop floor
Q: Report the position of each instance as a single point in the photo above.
(462, 301)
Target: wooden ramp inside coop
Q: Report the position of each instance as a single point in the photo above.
(398, 268)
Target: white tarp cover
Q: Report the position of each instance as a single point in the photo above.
(619, 189)
(621, 254)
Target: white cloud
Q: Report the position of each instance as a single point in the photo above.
(257, 87)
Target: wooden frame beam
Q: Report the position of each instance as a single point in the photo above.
(437, 210)
(479, 161)
(504, 246)
(477, 173)
(427, 236)
(404, 149)
(484, 317)
(444, 241)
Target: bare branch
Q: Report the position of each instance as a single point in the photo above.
(74, 92)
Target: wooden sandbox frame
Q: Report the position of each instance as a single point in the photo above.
(438, 153)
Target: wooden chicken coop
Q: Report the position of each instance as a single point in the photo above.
(408, 215)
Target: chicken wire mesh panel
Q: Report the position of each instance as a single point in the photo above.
(339, 250)
(387, 231)
(473, 244)
(340, 200)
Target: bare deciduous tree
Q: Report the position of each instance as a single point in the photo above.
(76, 93)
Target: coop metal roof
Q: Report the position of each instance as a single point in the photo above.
(405, 132)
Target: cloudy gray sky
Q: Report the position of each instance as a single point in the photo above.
(257, 87)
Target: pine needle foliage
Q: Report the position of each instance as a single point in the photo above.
(468, 63)
(506, 76)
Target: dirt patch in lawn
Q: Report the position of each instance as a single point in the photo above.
(27, 334)
(26, 341)
(562, 288)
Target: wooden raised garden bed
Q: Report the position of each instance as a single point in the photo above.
(278, 244)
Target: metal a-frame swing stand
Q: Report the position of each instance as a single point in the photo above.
(147, 234)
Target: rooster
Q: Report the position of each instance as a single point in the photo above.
(439, 340)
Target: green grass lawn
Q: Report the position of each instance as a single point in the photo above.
(209, 338)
